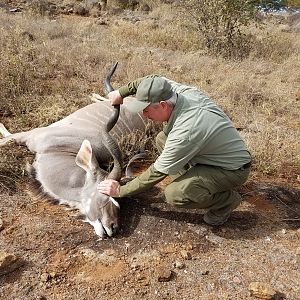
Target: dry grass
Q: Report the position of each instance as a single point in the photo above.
(49, 67)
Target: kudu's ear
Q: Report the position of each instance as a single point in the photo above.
(84, 157)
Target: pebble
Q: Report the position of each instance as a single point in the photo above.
(9, 262)
(1, 224)
(179, 265)
(135, 266)
(186, 254)
(215, 239)
(164, 274)
(44, 277)
(261, 290)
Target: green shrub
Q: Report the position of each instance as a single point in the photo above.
(221, 23)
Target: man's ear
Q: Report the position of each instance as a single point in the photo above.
(163, 104)
(166, 106)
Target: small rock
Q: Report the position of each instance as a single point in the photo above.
(9, 262)
(1, 224)
(44, 277)
(179, 265)
(261, 290)
(134, 266)
(186, 255)
(189, 247)
(215, 239)
(164, 275)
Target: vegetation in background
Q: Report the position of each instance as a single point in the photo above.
(277, 4)
(50, 66)
(221, 23)
(293, 3)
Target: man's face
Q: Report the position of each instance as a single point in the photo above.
(158, 112)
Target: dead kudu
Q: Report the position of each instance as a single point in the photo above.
(69, 155)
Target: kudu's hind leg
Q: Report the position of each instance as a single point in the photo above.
(4, 131)
(20, 137)
(6, 134)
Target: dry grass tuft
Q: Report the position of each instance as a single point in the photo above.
(140, 141)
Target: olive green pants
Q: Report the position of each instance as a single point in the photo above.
(204, 186)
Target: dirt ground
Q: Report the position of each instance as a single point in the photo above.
(160, 253)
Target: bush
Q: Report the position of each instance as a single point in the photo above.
(221, 24)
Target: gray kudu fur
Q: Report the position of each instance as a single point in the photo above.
(69, 153)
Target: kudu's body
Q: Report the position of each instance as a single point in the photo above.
(69, 156)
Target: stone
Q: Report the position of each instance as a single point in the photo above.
(9, 262)
(45, 277)
(215, 239)
(164, 274)
(186, 255)
(179, 265)
(261, 290)
(1, 224)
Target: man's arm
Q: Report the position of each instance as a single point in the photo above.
(143, 182)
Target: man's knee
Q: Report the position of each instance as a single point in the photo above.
(171, 193)
(186, 196)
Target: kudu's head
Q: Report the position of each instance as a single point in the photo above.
(100, 210)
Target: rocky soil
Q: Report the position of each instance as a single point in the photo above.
(160, 253)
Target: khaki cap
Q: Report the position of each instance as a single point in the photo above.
(150, 90)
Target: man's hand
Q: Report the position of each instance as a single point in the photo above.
(109, 187)
(115, 98)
